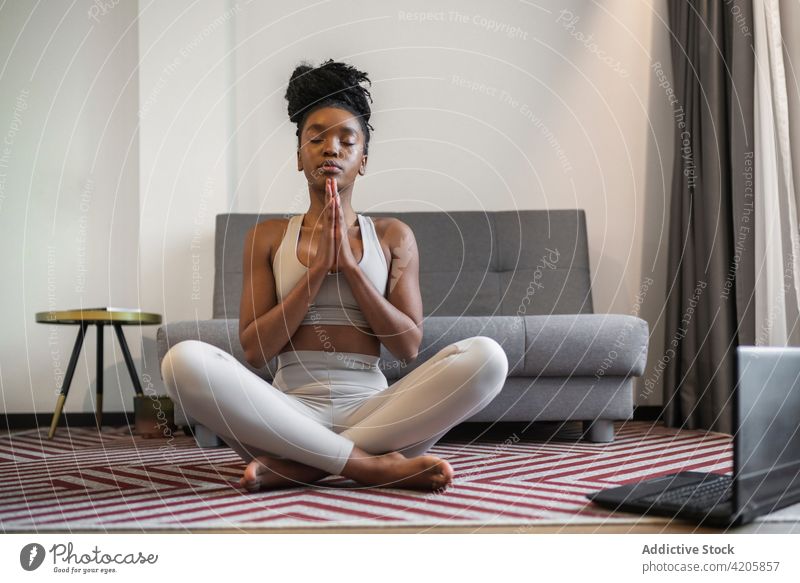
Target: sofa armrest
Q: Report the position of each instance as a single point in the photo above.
(586, 345)
(222, 333)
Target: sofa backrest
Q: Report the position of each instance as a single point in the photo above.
(473, 263)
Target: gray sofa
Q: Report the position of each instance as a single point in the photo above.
(520, 277)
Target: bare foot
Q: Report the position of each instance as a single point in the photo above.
(394, 470)
(267, 473)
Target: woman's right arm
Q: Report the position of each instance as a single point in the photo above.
(265, 326)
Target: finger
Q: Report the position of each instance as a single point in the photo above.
(337, 212)
(335, 205)
(334, 217)
(329, 202)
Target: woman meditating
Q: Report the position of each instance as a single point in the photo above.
(322, 291)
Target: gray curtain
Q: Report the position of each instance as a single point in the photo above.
(710, 299)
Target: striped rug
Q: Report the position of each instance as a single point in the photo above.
(111, 480)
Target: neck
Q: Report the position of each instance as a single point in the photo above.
(317, 207)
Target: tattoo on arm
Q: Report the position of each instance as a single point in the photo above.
(401, 256)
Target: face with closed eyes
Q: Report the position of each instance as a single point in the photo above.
(331, 146)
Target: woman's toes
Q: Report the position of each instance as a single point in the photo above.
(251, 478)
(447, 470)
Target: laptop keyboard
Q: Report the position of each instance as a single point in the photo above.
(701, 496)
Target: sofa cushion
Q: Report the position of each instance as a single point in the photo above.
(587, 345)
(561, 345)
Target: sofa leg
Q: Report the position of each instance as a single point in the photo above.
(599, 431)
(205, 437)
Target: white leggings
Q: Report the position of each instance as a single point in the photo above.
(320, 404)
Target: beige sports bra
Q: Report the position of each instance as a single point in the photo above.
(334, 303)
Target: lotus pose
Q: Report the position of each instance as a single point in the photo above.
(322, 291)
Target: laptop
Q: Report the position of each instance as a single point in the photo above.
(766, 453)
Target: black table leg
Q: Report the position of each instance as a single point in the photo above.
(98, 414)
(128, 360)
(73, 360)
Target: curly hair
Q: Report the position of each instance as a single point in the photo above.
(332, 84)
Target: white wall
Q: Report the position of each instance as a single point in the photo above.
(69, 194)
(542, 109)
(185, 102)
(541, 121)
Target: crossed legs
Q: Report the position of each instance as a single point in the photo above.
(382, 439)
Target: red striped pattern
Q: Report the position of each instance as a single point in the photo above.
(113, 480)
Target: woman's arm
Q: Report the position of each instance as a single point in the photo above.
(397, 319)
(265, 326)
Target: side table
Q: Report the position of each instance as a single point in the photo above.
(99, 317)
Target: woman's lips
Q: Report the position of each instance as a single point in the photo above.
(330, 169)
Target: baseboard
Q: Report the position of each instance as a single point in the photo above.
(647, 413)
(16, 421)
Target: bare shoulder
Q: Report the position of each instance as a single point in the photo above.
(393, 234)
(392, 230)
(267, 234)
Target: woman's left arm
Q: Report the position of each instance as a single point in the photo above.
(397, 319)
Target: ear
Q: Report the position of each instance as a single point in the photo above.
(299, 162)
(363, 168)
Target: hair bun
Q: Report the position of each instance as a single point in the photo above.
(332, 83)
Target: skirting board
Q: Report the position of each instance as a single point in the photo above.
(15, 421)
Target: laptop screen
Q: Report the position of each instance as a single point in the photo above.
(767, 443)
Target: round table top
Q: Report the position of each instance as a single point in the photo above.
(95, 316)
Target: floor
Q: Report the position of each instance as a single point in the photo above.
(533, 483)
